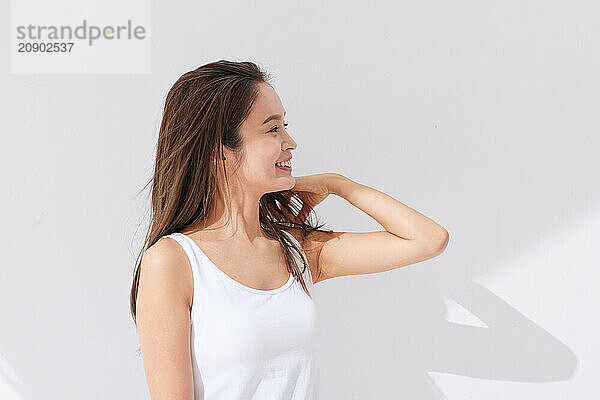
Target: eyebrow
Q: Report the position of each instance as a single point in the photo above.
(274, 116)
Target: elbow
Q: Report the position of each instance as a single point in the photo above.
(440, 242)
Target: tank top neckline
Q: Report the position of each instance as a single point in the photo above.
(233, 281)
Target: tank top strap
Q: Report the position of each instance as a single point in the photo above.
(195, 264)
(189, 250)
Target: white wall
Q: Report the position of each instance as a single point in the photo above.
(480, 114)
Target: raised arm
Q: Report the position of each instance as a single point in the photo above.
(409, 236)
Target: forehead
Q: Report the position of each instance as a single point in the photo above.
(266, 104)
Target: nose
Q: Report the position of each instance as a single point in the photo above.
(288, 143)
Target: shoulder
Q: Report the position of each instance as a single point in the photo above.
(165, 271)
(163, 320)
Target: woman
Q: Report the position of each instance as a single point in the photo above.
(222, 296)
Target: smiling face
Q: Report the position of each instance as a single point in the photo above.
(265, 142)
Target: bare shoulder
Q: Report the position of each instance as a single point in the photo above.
(163, 320)
(165, 267)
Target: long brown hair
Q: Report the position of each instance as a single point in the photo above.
(203, 112)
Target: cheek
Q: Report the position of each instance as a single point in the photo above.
(259, 166)
(263, 156)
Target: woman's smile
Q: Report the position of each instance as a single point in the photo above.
(288, 169)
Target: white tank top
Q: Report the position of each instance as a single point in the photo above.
(248, 343)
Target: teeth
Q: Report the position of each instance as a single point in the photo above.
(284, 164)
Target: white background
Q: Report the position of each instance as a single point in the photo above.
(482, 115)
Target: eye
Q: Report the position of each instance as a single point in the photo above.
(285, 124)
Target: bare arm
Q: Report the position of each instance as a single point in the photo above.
(409, 236)
(163, 321)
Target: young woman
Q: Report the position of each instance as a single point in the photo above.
(222, 291)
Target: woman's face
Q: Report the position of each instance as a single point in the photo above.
(265, 142)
